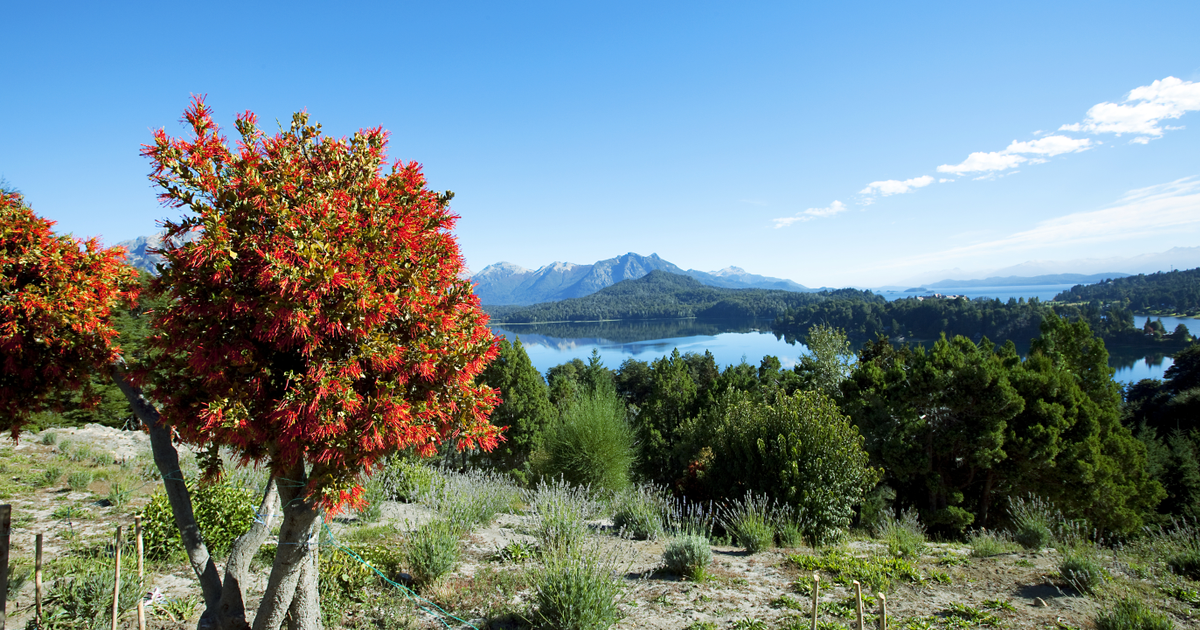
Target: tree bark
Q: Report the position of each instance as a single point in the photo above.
(295, 546)
(305, 611)
(231, 614)
(166, 457)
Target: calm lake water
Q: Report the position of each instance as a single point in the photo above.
(1043, 292)
(549, 345)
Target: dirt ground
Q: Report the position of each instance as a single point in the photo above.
(764, 590)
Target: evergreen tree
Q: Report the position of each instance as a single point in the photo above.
(525, 410)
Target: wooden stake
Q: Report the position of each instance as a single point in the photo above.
(816, 587)
(858, 600)
(882, 610)
(5, 521)
(116, 579)
(141, 605)
(37, 579)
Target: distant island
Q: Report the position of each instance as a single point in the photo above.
(1166, 293)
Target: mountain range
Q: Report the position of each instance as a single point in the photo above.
(506, 283)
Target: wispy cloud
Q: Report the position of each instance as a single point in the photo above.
(1152, 211)
(1143, 111)
(1016, 154)
(895, 186)
(810, 214)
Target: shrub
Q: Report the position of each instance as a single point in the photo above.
(51, 476)
(638, 511)
(904, 536)
(406, 478)
(1131, 614)
(1033, 522)
(471, 498)
(577, 589)
(223, 513)
(562, 511)
(1186, 563)
(788, 534)
(346, 569)
(985, 544)
(1081, 569)
(749, 522)
(591, 444)
(87, 597)
(800, 450)
(80, 480)
(688, 556)
(49, 438)
(431, 551)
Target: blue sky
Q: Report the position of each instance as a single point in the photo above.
(827, 143)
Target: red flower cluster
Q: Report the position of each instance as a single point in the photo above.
(317, 308)
(56, 295)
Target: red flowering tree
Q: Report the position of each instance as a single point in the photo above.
(56, 295)
(317, 318)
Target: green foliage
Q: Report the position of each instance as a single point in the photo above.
(828, 361)
(87, 596)
(638, 511)
(49, 438)
(904, 536)
(526, 410)
(405, 478)
(875, 573)
(345, 571)
(1033, 520)
(688, 556)
(432, 550)
(223, 513)
(1165, 292)
(79, 480)
(1131, 614)
(51, 475)
(472, 498)
(799, 450)
(577, 589)
(987, 543)
(561, 511)
(970, 615)
(750, 521)
(1081, 568)
(591, 443)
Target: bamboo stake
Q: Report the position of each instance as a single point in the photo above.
(882, 611)
(858, 600)
(816, 587)
(37, 578)
(5, 521)
(116, 579)
(141, 605)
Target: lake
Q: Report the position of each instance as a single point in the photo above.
(1043, 292)
(730, 342)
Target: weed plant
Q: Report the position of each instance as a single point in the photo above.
(688, 556)
(750, 521)
(86, 596)
(472, 498)
(683, 517)
(347, 570)
(578, 588)
(875, 573)
(1131, 614)
(1034, 520)
(987, 543)
(591, 444)
(19, 572)
(562, 511)
(639, 511)
(118, 494)
(903, 535)
(406, 478)
(1174, 549)
(49, 438)
(1080, 567)
(374, 494)
(51, 476)
(79, 480)
(432, 550)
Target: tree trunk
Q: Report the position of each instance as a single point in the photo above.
(296, 545)
(231, 614)
(166, 457)
(305, 611)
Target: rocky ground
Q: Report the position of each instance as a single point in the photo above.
(742, 591)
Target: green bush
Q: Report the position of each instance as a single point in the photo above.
(800, 450)
(80, 480)
(562, 511)
(52, 475)
(904, 536)
(688, 556)
(750, 522)
(223, 513)
(1132, 614)
(1081, 568)
(638, 511)
(345, 569)
(1186, 563)
(577, 589)
(1033, 521)
(431, 551)
(406, 478)
(49, 438)
(985, 544)
(591, 444)
(86, 597)
(788, 534)
(471, 498)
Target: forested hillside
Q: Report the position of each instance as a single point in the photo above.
(1162, 293)
(664, 295)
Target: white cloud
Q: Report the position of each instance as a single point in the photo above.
(1014, 155)
(1143, 110)
(811, 213)
(1156, 210)
(895, 186)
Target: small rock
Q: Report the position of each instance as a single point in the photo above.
(1038, 602)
